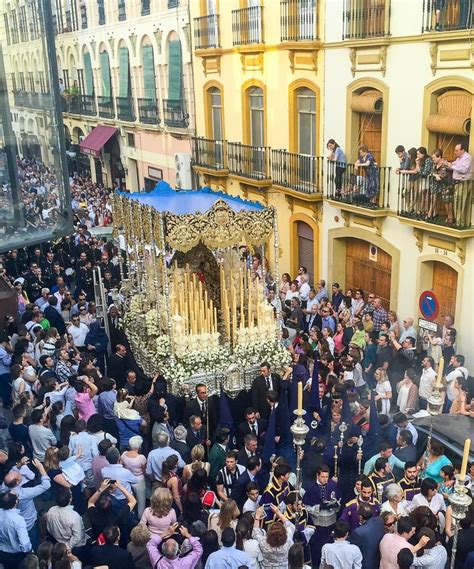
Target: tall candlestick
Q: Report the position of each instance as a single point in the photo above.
(215, 319)
(300, 398)
(440, 372)
(465, 458)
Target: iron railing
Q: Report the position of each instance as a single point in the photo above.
(175, 114)
(444, 202)
(206, 32)
(125, 108)
(299, 172)
(32, 100)
(249, 161)
(210, 153)
(87, 105)
(106, 107)
(366, 19)
(452, 15)
(148, 111)
(247, 25)
(357, 185)
(298, 20)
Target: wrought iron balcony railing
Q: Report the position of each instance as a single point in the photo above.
(447, 16)
(357, 185)
(444, 202)
(299, 172)
(298, 20)
(125, 108)
(366, 19)
(249, 161)
(148, 111)
(106, 107)
(206, 32)
(210, 153)
(247, 25)
(175, 114)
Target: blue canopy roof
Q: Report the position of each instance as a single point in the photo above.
(164, 198)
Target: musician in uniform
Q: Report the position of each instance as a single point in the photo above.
(276, 490)
(410, 482)
(381, 477)
(299, 517)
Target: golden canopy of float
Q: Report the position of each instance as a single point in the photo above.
(194, 306)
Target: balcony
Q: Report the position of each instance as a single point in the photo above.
(428, 203)
(298, 20)
(206, 32)
(455, 15)
(125, 109)
(365, 19)
(299, 172)
(247, 26)
(358, 188)
(148, 111)
(175, 115)
(210, 154)
(106, 107)
(249, 161)
(87, 105)
(36, 101)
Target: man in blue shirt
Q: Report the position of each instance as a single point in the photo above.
(228, 557)
(14, 540)
(386, 451)
(116, 471)
(159, 455)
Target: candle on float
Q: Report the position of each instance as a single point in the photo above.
(465, 458)
(440, 372)
(215, 319)
(300, 398)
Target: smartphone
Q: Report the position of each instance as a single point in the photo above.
(112, 482)
(267, 508)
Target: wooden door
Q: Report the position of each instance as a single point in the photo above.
(373, 276)
(370, 129)
(306, 248)
(447, 142)
(445, 285)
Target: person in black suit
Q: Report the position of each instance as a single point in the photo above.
(201, 406)
(111, 554)
(179, 443)
(197, 432)
(117, 365)
(248, 450)
(368, 536)
(239, 494)
(262, 384)
(53, 316)
(252, 426)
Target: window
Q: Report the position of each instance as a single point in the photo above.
(31, 82)
(83, 9)
(23, 25)
(124, 73)
(122, 14)
(88, 74)
(101, 10)
(215, 114)
(173, 3)
(149, 80)
(130, 139)
(14, 22)
(145, 7)
(106, 85)
(175, 71)
(7, 29)
(306, 108)
(256, 117)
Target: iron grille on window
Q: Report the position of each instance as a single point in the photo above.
(122, 14)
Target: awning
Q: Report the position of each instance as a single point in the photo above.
(370, 101)
(453, 116)
(96, 139)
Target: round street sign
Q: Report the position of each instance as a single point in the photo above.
(429, 305)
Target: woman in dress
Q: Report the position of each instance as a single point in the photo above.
(197, 462)
(407, 389)
(134, 461)
(171, 480)
(434, 461)
(410, 188)
(284, 286)
(337, 155)
(383, 390)
(370, 180)
(85, 392)
(160, 515)
(441, 185)
(424, 165)
(462, 402)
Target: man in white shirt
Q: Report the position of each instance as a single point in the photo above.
(304, 290)
(427, 381)
(341, 554)
(64, 523)
(457, 362)
(309, 305)
(408, 330)
(78, 331)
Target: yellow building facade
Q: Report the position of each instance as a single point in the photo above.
(276, 79)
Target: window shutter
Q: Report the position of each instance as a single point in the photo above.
(149, 83)
(124, 66)
(88, 74)
(105, 74)
(175, 71)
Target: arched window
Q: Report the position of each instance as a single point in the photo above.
(106, 83)
(214, 101)
(256, 116)
(367, 105)
(175, 71)
(88, 74)
(306, 109)
(125, 83)
(149, 79)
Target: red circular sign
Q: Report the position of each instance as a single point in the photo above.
(429, 305)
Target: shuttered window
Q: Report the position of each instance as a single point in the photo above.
(149, 81)
(175, 71)
(124, 66)
(105, 75)
(88, 74)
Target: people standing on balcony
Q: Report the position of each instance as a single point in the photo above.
(442, 185)
(409, 191)
(337, 155)
(424, 167)
(461, 170)
(403, 158)
(368, 180)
